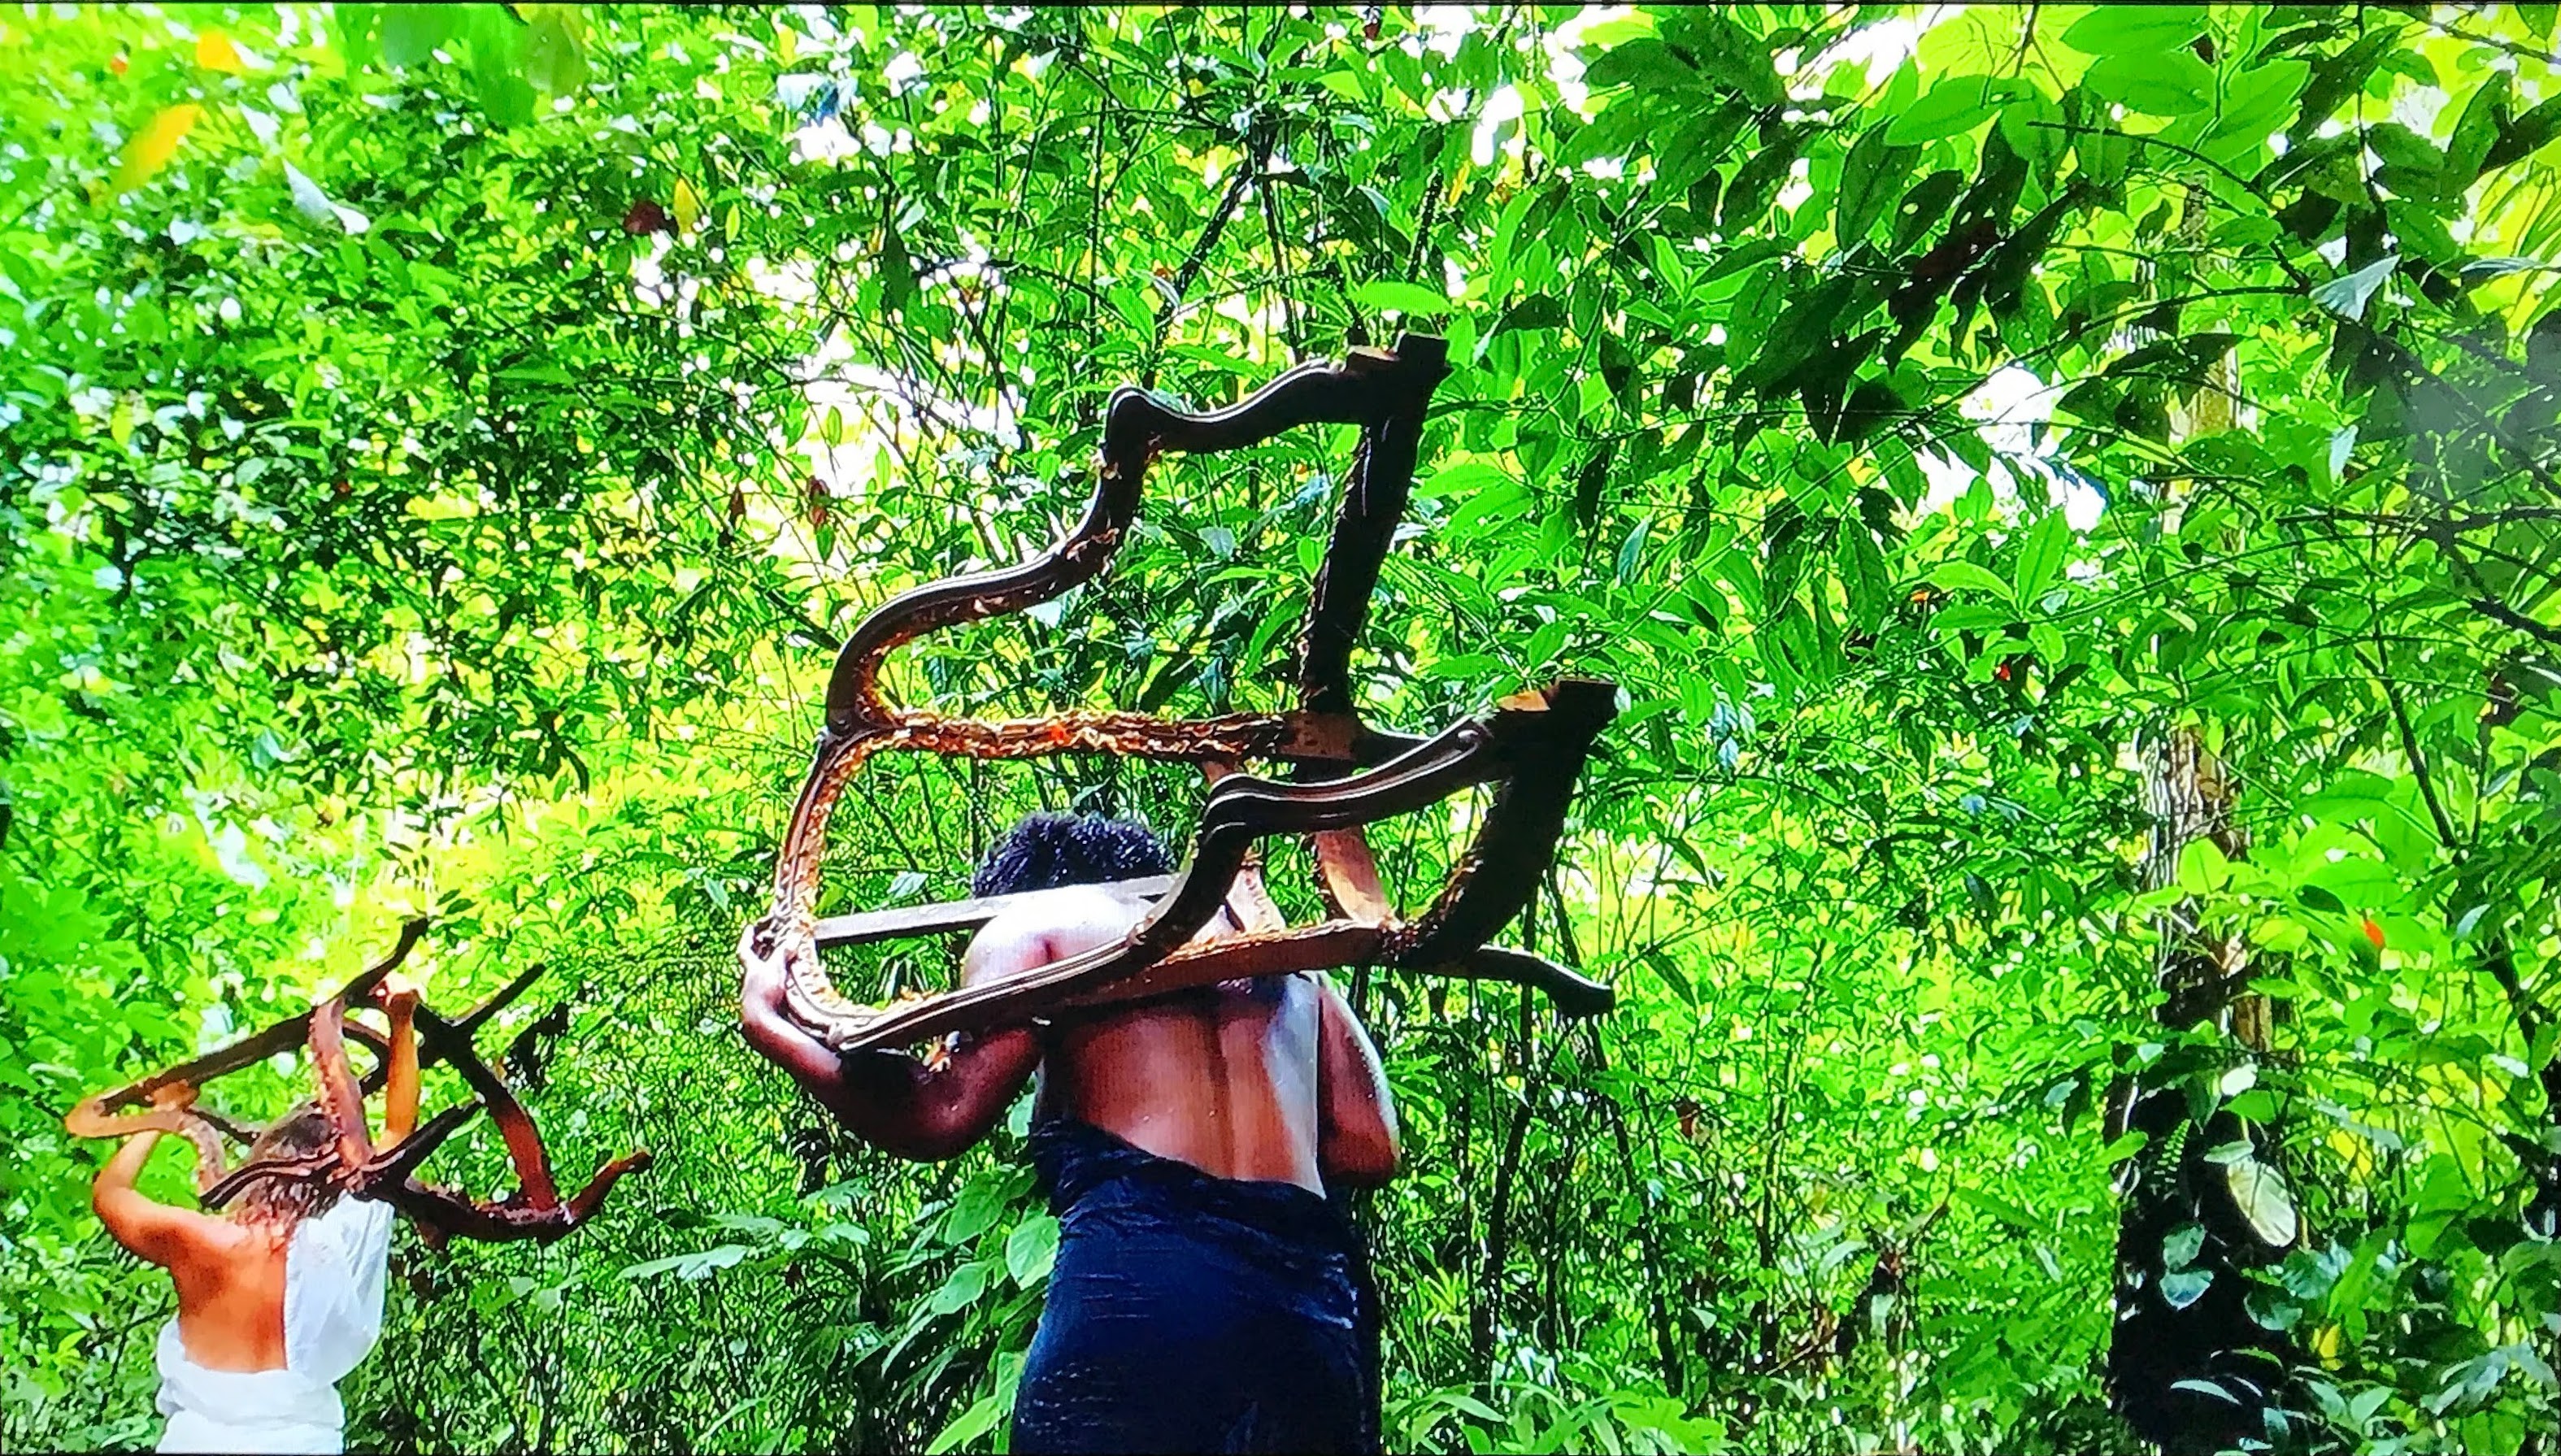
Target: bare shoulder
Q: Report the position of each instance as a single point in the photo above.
(1053, 926)
(203, 1241)
(1072, 912)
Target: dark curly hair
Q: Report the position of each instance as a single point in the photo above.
(1047, 851)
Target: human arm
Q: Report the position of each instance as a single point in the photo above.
(399, 1093)
(151, 1230)
(891, 1101)
(1356, 1142)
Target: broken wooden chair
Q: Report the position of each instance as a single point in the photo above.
(1346, 773)
(536, 1211)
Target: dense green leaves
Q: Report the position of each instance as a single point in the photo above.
(443, 446)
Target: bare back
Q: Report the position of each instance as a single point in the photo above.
(235, 1279)
(1269, 1080)
(1224, 1078)
(231, 1290)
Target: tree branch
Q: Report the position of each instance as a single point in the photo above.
(2410, 749)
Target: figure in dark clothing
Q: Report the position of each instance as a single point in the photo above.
(1207, 1295)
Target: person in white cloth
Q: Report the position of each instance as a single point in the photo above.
(279, 1298)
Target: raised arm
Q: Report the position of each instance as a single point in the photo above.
(1356, 1142)
(150, 1230)
(399, 1089)
(891, 1101)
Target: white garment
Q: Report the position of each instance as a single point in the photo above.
(334, 1271)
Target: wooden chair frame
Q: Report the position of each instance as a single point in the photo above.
(536, 1211)
(1347, 774)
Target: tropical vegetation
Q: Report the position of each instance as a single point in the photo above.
(2069, 495)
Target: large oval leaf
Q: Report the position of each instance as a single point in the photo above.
(2259, 1196)
(2172, 83)
(1958, 104)
(2136, 30)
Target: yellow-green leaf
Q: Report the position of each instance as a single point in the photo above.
(2171, 83)
(2202, 868)
(1951, 575)
(215, 51)
(1406, 298)
(689, 205)
(153, 146)
(2147, 31)
(556, 49)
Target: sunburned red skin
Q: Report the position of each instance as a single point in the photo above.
(1272, 1081)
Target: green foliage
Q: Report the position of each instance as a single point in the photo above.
(440, 447)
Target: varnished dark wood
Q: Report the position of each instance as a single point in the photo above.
(1517, 839)
(1373, 506)
(1347, 876)
(354, 1165)
(1349, 774)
